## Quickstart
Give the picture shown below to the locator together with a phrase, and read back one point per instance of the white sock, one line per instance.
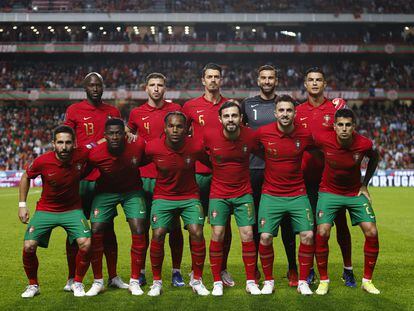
(348, 268)
(176, 270)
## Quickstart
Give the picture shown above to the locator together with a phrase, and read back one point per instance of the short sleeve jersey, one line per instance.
(118, 174)
(230, 161)
(88, 121)
(148, 122)
(319, 120)
(342, 172)
(60, 181)
(202, 114)
(283, 157)
(256, 113)
(175, 169)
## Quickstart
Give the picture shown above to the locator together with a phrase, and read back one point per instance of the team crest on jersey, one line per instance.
(134, 161)
(31, 229)
(79, 166)
(356, 156)
(320, 214)
(214, 214)
(188, 161)
(297, 144)
(262, 222)
(245, 148)
(154, 218)
(326, 118)
(95, 212)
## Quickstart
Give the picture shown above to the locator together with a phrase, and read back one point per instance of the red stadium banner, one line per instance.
(205, 48)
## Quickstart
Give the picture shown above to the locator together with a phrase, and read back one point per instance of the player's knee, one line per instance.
(306, 237)
(324, 232)
(246, 235)
(196, 233)
(30, 246)
(266, 239)
(84, 244)
(371, 232)
(217, 234)
(159, 234)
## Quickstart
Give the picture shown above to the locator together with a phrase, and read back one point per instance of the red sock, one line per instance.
(157, 257)
(226, 245)
(97, 254)
(111, 252)
(267, 257)
(83, 258)
(249, 259)
(321, 254)
(216, 258)
(176, 242)
(371, 250)
(343, 237)
(138, 248)
(306, 253)
(198, 256)
(71, 252)
(31, 264)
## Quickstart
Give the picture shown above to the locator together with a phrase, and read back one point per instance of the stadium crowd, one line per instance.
(26, 132)
(284, 6)
(204, 34)
(184, 74)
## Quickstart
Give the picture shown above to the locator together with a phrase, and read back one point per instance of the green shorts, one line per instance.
(242, 207)
(330, 204)
(42, 224)
(272, 209)
(104, 206)
(163, 212)
(204, 182)
(87, 192)
(148, 185)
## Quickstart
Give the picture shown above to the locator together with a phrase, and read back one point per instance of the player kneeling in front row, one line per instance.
(119, 183)
(59, 205)
(283, 192)
(176, 193)
(229, 147)
(341, 188)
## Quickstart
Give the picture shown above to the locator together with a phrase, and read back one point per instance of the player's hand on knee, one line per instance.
(24, 214)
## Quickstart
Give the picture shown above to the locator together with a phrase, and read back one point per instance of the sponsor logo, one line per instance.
(144, 118)
(86, 118)
(199, 111)
(303, 118)
(154, 218)
(262, 222)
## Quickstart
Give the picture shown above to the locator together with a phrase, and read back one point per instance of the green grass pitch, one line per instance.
(394, 274)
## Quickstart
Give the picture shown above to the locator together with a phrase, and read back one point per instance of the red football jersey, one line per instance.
(88, 121)
(342, 173)
(230, 161)
(118, 174)
(319, 120)
(200, 113)
(283, 157)
(60, 181)
(175, 169)
(148, 122)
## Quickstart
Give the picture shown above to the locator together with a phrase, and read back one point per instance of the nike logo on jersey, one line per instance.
(198, 111)
(254, 105)
(86, 118)
(86, 231)
(270, 143)
(329, 153)
(144, 118)
(200, 218)
(51, 174)
(303, 118)
(142, 212)
(215, 148)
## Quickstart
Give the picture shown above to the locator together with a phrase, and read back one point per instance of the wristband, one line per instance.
(22, 204)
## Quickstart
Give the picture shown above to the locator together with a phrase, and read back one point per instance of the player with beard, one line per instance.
(259, 111)
(88, 119)
(176, 193)
(119, 183)
(202, 114)
(317, 114)
(59, 205)
(341, 189)
(147, 121)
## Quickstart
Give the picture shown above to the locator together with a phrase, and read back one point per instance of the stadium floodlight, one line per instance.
(288, 33)
(101, 28)
(135, 27)
(14, 27)
(1, 29)
(237, 27)
(32, 27)
(406, 28)
(49, 27)
(118, 28)
(254, 30)
(68, 30)
(66, 27)
(104, 33)
(83, 27)
(35, 8)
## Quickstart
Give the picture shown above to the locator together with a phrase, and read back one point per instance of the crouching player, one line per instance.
(119, 183)
(176, 193)
(229, 147)
(284, 192)
(341, 188)
(59, 205)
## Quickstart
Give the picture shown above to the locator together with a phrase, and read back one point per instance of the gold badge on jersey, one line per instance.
(356, 156)
(297, 144)
(326, 118)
